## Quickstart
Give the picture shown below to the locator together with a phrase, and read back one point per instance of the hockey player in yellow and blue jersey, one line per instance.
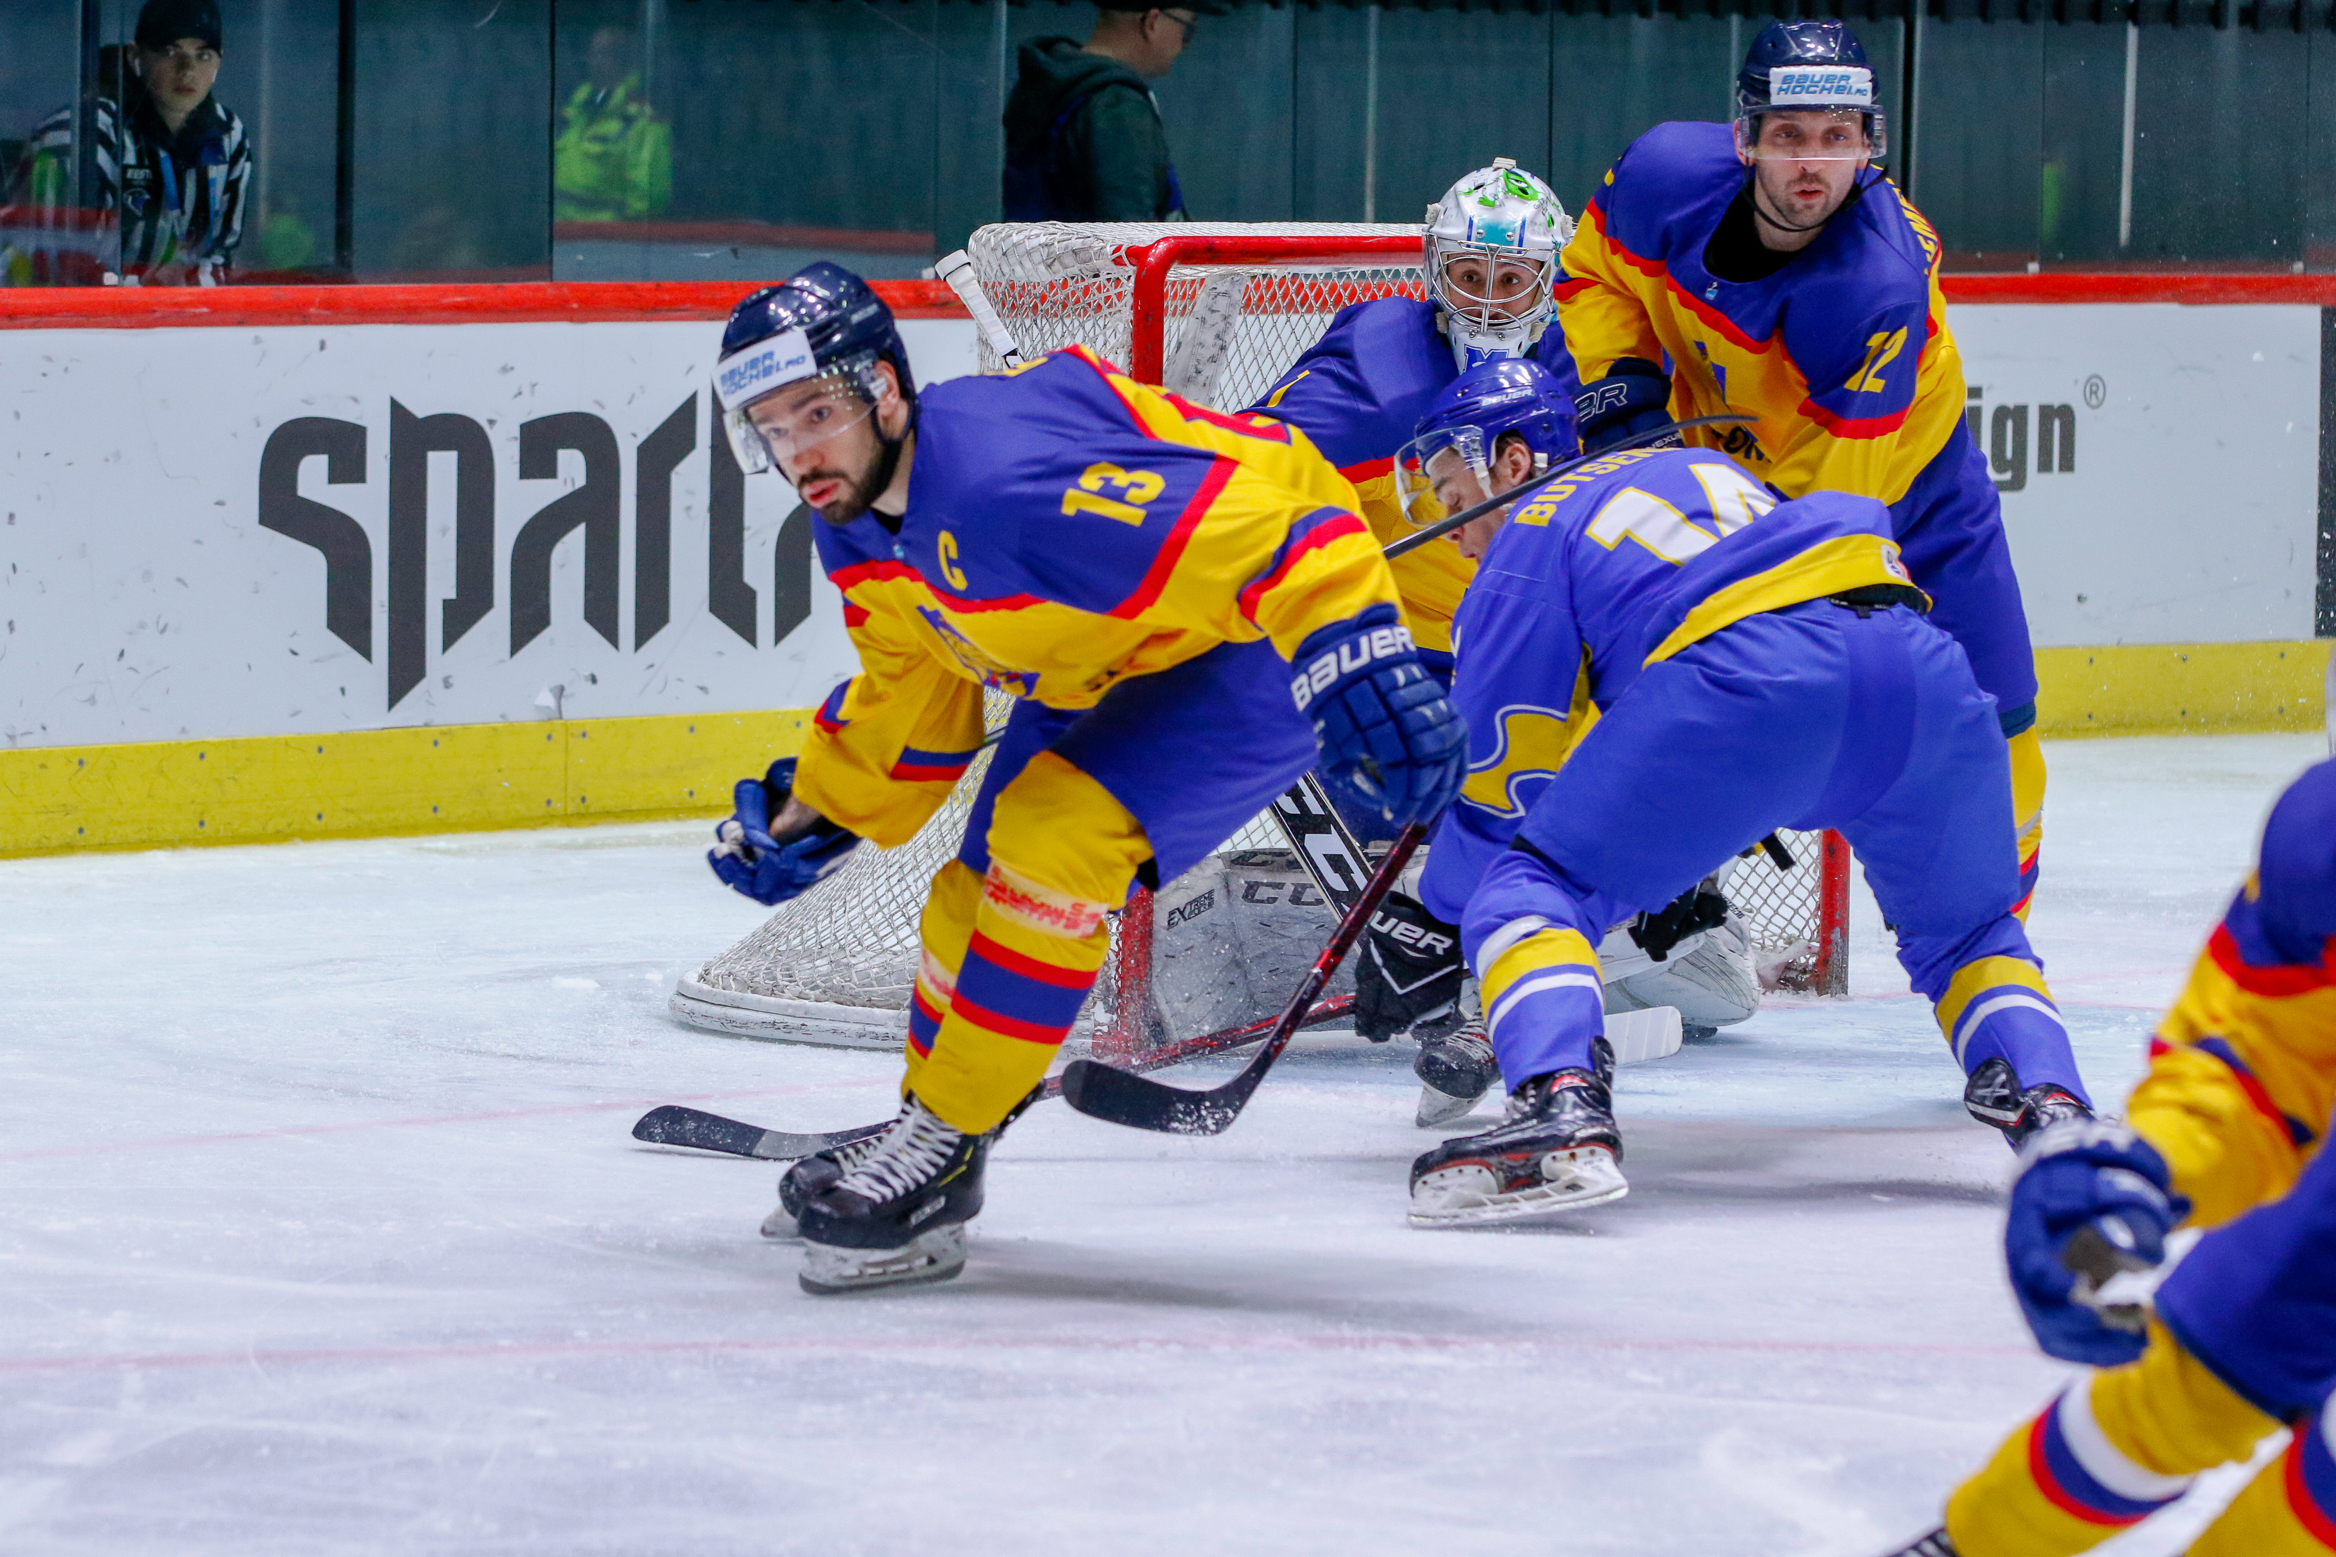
(1659, 662)
(1774, 271)
(2225, 1133)
(1141, 574)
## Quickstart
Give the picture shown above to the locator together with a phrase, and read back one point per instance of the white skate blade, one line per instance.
(779, 1226)
(934, 1256)
(1463, 1194)
(1437, 1108)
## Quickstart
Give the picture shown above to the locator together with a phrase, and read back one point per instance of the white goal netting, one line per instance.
(836, 965)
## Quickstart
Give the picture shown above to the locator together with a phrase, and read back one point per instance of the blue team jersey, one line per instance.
(1621, 564)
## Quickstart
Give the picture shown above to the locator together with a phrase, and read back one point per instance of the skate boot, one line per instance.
(898, 1215)
(814, 1175)
(1557, 1150)
(1993, 1096)
(1935, 1544)
(1455, 1069)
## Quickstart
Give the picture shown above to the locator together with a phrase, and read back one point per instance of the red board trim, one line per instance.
(504, 302)
(590, 302)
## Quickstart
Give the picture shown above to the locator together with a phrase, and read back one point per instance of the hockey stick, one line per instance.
(1123, 1097)
(1420, 538)
(957, 270)
(675, 1125)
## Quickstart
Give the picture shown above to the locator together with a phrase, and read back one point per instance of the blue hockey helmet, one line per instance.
(821, 322)
(1810, 65)
(1447, 466)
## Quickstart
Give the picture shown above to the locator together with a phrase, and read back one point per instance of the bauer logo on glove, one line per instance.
(1390, 740)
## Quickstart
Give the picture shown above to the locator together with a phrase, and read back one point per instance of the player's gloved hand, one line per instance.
(750, 860)
(1692, 911)
(1409, 971)
(1634, 396)
(1391, 741)
(2092, 1199)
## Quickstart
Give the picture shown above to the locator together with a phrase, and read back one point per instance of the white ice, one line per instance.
(321, 1232)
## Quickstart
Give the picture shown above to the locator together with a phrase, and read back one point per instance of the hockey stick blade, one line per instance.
(1123, 1097)
(1419, 538)
(675, 1125)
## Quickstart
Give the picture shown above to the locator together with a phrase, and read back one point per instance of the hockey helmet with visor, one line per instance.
(1447, 466)
(798, 366)
(1815, 71)
(1491, 257)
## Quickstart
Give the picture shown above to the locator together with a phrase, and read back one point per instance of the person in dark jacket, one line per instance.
(1084, 141)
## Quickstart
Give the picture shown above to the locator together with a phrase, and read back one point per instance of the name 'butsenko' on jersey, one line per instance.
(1358, 394)
(1612, 568)
(1067, 528)
(1842, 357)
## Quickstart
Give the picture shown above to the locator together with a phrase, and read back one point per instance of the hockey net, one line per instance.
(1216, 311)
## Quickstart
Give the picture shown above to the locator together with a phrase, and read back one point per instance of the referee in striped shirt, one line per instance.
(171, 162)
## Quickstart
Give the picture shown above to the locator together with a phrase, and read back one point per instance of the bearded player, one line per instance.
(1752, 664)
(1141, 575)
(2225, 1133)
(1771, 269)
(1490, 259)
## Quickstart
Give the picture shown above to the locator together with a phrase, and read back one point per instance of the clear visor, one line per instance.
(1441, 474)
(1492, 286)
(1811, 135)
(766, 433)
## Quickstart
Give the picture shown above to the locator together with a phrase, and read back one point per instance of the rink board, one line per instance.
(272, 566)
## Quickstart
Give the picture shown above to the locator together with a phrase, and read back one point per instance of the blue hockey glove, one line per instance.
(1391, 742)
(1634, 396)
(750, 860)
(2092, 1199)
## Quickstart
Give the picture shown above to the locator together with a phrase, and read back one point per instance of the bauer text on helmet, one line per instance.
(814, 383)
(1806, 93)
(1492, 245)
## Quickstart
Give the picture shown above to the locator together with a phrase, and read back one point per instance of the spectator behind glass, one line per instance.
(1084, 141)
(171, 166)
(613, 161)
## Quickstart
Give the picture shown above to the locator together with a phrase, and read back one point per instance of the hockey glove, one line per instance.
(2092, 1199)
(1409, 971)
(1690, 913)
(750, 860)
(1635, 395)
(1391, 742)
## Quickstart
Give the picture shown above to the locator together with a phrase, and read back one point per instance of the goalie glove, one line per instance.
(1410, 969)
(1635, 395)
(1693, 911)
(2092, 1199)
(750, 860)
(1391, 742)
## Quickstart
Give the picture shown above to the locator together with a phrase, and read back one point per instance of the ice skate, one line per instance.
(814, 1175)
(1455, 1070)
(898, 1215)
(1995, 1097)
(1557, 1150)
(1935, 1544)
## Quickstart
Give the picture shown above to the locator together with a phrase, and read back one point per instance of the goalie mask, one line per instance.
(1491, 257)
(817, 337)
(1809, 69)
(1447, 466)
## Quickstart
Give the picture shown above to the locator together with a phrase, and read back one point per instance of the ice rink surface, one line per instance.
(321, 1232)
